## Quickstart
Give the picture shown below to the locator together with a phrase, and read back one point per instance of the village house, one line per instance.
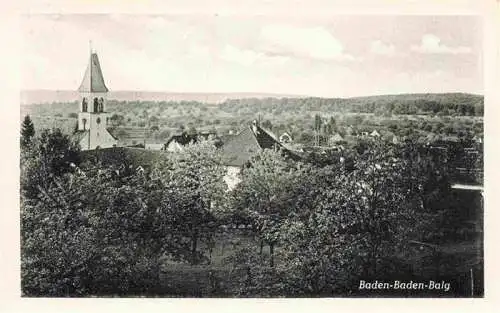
(395, 139)
(239, 151)
(154, 146)
(349, 131)
(129, 136)
(335, 139)
(478, 139)
(375, 134)
(178, 142)
(285, 138)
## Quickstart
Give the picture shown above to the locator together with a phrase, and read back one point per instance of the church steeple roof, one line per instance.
(93, 81)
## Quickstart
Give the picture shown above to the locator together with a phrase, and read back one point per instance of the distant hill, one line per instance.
(422, 103)
(49, 96)
(456, 96)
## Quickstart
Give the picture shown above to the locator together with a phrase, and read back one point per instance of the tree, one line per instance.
(51, 155)
(347, 225)
(27, 132)
(306, 138)
(479, 109)
(117, 119)
(193, 182)
(192, 131)
(81, 240)
(318, 122)
(164, 134)
(153, 120)
(263, 196)
(267, 124)
(332, 122)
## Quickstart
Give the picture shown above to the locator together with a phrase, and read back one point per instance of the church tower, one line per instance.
(92, 115)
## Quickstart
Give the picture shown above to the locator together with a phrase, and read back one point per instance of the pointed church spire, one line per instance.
(93, 80)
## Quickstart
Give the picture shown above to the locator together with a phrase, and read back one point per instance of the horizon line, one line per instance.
(288, 95)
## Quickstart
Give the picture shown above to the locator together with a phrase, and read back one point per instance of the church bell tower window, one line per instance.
(84, 105)
(96, 105)
(101, 104)
(84, 122)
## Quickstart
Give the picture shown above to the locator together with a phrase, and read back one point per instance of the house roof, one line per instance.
(336, 137)
(242, 147)
(185, 139)
(450, 138)
(285, 134)
(182, 139)
(93, 80)
(127, 132)
(239, 149)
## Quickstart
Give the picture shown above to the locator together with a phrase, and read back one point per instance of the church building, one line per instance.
(92, 130)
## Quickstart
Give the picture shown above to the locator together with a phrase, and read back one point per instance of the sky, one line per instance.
(326, 56)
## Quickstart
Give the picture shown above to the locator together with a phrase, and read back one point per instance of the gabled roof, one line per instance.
(336, 137)
(93, 80)
(127, 132)
(242, 147)
(185, 139)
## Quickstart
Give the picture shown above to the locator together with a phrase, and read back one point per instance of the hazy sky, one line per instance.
(333, 56)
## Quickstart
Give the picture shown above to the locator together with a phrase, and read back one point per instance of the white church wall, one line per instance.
(101, 138)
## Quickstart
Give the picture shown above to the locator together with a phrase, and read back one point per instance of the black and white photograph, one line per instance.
(251, 155)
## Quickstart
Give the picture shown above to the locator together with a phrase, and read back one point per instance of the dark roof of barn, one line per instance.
(185, 139)
(93, 80)
(128, 132)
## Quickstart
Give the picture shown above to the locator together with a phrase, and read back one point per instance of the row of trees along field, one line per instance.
(94, 229)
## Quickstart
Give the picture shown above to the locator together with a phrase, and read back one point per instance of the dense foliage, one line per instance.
(105, 230)
(27, 131)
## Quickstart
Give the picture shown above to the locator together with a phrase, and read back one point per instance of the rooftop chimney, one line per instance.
(255, 125)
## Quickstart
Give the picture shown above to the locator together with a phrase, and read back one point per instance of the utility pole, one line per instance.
(471, 283)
